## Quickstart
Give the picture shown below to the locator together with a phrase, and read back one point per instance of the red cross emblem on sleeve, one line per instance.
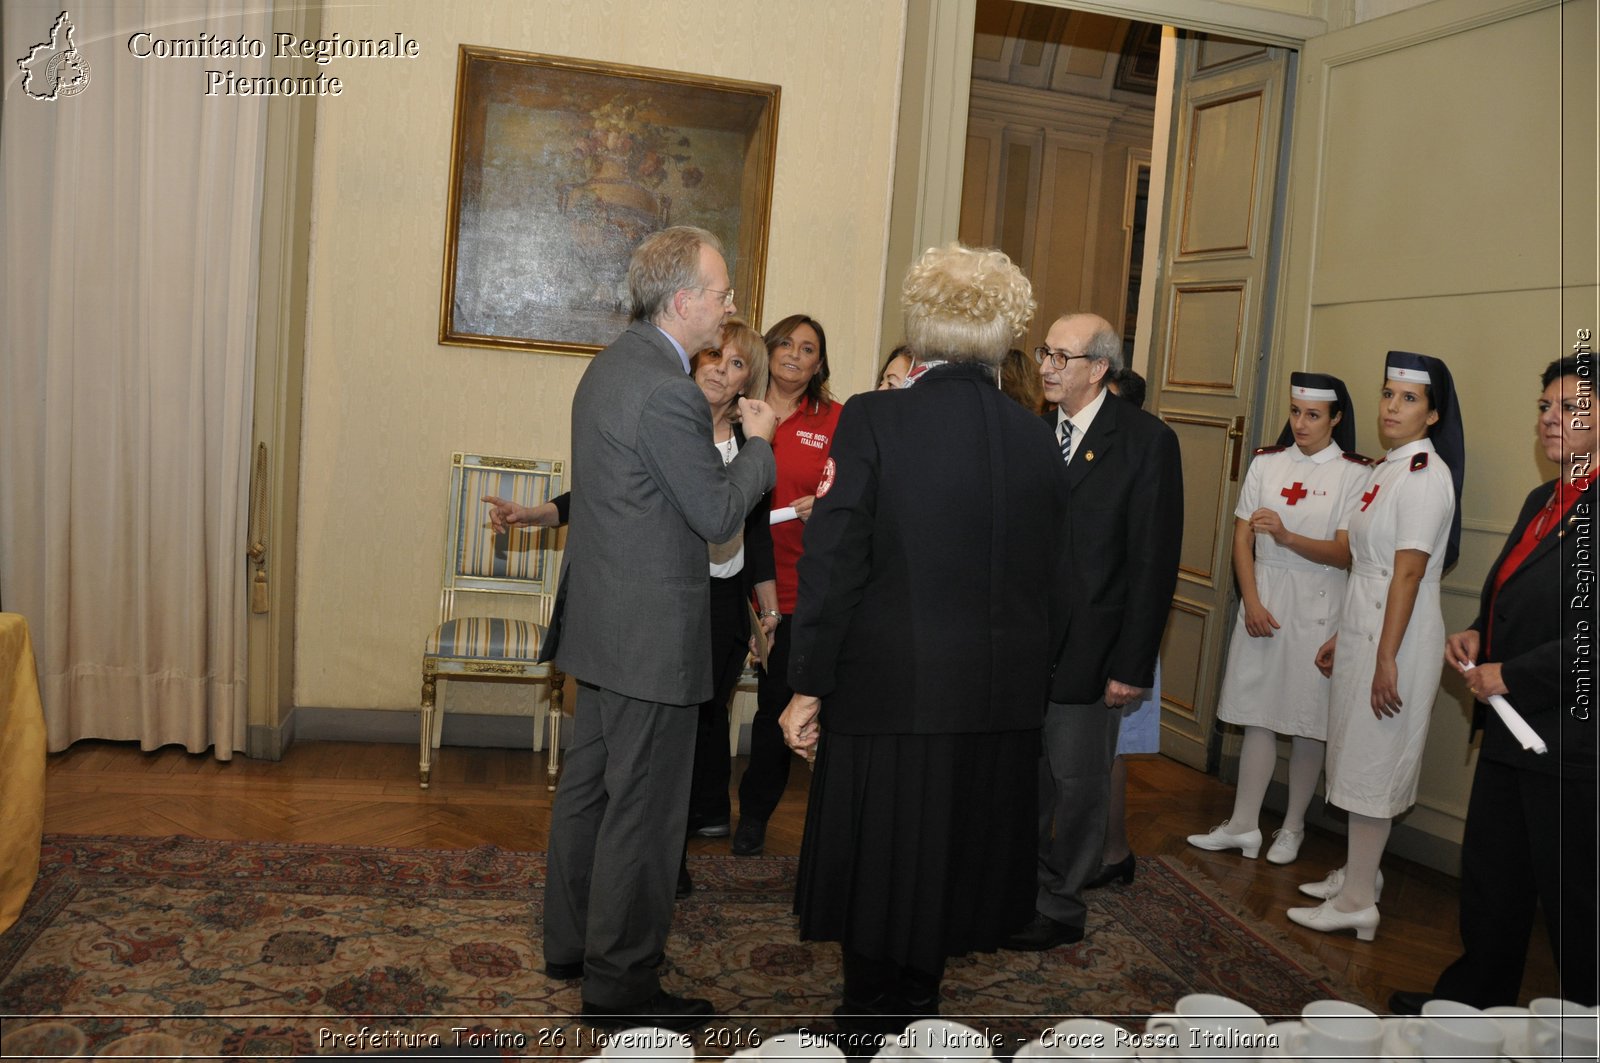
(1295, 493)
(1366, 499)
(826, 483)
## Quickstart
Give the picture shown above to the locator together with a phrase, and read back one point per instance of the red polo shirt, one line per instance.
(800, 448)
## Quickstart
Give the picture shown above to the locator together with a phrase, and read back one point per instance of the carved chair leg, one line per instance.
(558, 683)
(424, 764)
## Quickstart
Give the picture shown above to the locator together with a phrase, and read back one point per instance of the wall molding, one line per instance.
(1011, 105)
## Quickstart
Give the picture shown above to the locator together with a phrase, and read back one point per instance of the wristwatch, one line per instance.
(770, 612)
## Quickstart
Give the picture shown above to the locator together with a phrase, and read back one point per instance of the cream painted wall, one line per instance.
(386, 405)
(1442, 201)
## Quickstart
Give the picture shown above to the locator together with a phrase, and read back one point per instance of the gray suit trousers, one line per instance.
(616, 835)
(1080, 742)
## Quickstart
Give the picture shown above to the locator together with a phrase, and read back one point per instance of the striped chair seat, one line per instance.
(487, 638)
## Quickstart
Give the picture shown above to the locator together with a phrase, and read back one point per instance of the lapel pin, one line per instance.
(1088, 455)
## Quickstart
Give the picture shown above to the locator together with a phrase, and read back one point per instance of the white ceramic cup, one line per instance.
(1514, 1024)
(42, 1041)
(1207, 1026)
(1560, 1029)
(145, 1048)
(648, 1042)
(1449, 1031)
(787, 1046)
(1081, 1039)
(1335, 1030)
(945, 1039)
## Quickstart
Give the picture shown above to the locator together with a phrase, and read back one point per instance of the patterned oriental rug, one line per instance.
(278, 951)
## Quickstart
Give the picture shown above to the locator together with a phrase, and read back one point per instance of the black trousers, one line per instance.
(1529, 842)
(730, 644)
(768, 772)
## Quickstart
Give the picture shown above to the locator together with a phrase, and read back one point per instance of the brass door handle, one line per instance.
(1236, 433)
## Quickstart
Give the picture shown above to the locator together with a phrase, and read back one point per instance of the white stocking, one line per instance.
(1257, 758)
(1368, 836)
(1305, 764)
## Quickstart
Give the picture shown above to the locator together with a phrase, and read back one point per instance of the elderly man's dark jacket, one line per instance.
(1124, 531)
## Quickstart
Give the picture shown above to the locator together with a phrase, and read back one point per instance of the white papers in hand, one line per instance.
(780, 515)
(1525, 735)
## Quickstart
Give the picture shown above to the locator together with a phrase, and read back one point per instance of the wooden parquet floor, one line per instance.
(367, 794)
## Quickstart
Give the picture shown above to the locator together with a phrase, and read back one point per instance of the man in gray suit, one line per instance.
(649, 490)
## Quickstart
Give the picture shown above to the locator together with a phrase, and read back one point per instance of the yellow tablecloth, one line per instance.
(21, 767)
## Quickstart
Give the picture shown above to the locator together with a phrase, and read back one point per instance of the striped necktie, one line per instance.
(1066, 440)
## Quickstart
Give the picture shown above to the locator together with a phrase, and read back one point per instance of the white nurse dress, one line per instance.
(1374, 763)
(1274, 682)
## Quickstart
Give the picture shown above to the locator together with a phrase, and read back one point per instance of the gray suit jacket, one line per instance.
(649, 490)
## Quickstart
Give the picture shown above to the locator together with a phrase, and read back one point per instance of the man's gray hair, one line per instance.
(663, 264)
(1106, 346)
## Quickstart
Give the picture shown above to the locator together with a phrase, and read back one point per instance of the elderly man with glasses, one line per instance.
(1124, 528)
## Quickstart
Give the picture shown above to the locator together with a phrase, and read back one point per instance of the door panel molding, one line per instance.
(1176, 363)
(1206, 442)
(1229, 192)
(1206, 343)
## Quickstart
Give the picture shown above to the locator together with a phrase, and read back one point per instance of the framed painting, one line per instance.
(559, 167)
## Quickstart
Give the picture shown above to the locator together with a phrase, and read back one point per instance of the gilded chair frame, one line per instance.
(518, 563)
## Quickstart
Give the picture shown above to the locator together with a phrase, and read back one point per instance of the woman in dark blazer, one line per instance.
(922, 643)
(1530, 833)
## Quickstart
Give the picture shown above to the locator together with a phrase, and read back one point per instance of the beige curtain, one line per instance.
(130, 223)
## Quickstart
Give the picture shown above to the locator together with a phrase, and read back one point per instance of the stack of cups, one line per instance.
(939, 1039)
(1560, 1029)
(1333, 1030)
(1206, 1026)
(1448, 1031)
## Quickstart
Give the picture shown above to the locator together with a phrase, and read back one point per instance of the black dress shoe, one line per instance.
(1404, 1002)
(719, 829)
(750, 838)
(685, 883)
(1109, 873)
(1042, 933)
(564, 971)
(664, 1010)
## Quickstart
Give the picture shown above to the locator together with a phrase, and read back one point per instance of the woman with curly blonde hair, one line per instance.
(921, 650)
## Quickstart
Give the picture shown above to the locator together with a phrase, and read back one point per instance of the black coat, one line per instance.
(1539, 644)
(930, 591)
(1124, 531)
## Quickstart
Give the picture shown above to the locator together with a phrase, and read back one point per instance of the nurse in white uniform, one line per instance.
(1290, 552)
(1386, 658)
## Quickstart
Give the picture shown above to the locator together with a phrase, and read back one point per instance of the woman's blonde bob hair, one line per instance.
(748, 342)
(965, 304)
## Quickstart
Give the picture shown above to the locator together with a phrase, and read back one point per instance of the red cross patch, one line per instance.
(827, 479)
(1366, 499)
(1295, 493)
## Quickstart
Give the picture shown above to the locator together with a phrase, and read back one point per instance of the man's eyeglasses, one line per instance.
(727, 296)
(1059, 359)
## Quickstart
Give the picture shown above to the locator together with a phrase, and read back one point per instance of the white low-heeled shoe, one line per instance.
(1285, 845)
(1326, 918)
(1329, 887)
(1218, 839)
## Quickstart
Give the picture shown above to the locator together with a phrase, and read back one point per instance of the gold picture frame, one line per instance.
(559, 167)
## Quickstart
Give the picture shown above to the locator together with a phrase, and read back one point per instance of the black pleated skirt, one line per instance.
(919, 847)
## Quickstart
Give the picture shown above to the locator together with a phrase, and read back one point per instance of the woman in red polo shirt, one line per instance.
(797, 389)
